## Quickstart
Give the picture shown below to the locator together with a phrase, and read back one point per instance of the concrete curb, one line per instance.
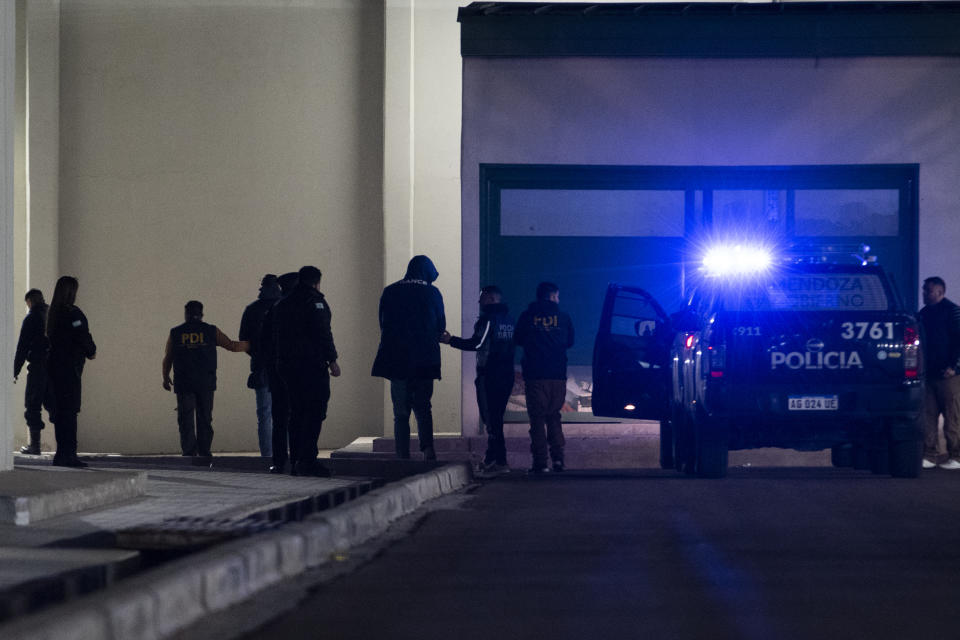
(109, 487)
(160, 602)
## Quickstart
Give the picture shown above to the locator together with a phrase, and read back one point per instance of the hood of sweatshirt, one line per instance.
(421, 268)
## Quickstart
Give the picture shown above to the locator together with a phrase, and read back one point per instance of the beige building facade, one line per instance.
(174, 150)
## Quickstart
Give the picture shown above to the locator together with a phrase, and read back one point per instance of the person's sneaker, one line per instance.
(952, 464)
(500, 468)
(429, 454)
(928, 464)
(558, 467)
(537, 470)
(30, 450)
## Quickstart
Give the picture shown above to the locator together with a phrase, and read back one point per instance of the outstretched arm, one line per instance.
(481, 333)
(231, 345)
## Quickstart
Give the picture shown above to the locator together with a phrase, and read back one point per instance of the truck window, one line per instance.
(633, 315)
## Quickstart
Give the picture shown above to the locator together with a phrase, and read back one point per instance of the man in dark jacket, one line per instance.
(250, 325)
(283, 446)
(941, 353)
(192, 353)
(307, 358)
(411, 323)
(492, 339)
(545, 333)
(32, 348)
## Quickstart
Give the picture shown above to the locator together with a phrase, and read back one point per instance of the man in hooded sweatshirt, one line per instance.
(411, 324)
(545, 333)
(251, 324)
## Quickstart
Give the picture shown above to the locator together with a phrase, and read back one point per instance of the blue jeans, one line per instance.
(264, 421)
(407, 395)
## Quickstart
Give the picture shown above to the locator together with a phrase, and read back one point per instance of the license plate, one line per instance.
(813, 403)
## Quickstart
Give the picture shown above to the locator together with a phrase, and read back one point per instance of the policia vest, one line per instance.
(194, 346)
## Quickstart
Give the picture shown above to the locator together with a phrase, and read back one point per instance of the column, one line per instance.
(7, 144)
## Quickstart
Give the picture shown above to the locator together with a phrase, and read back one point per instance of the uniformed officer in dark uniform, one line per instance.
(493, 341)
(307, 358)
(192, 353)
(71, 345)
(32, 348)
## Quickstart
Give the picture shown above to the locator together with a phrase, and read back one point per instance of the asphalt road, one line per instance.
(764, 553)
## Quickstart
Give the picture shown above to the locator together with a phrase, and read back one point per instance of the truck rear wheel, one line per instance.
(879, 459)
(712, 449)
(841, 455)
(666, 444)
(683, 451)
(861, 458)
(906, 458)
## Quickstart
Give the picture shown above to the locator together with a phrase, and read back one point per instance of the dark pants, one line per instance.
(493, 392)
(37, 395)
(65, 429)
(283, 445)
(64, 377)
(195, 419)
(544, 400)
(407, 395)
(308, 391)
(942, 396)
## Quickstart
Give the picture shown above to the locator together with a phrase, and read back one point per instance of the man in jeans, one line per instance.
(411, 324)
(941, 352)
(251, 325)
(545, 333)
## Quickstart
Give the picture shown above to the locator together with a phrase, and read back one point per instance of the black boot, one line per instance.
(32, 449)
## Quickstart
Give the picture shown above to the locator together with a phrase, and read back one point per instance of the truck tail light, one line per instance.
(911, 353)
(717, 359)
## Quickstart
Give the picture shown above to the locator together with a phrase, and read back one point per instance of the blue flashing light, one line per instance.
(737, 260)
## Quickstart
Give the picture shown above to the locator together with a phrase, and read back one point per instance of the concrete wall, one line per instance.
(422, 171)
(203, 144)
(720, 112)
(7, 141)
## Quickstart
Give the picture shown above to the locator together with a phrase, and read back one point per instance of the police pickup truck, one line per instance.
(801, 355)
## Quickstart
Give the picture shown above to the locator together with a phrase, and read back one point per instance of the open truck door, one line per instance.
(631, 373)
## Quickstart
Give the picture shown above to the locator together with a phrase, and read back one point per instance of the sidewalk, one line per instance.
(84, 530)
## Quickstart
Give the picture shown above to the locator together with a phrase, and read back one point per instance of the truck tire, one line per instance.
(684, 459)
(712, 449)
(666, 444)
(841, 455)
(879, 459)
(861, 458)
(906, 458)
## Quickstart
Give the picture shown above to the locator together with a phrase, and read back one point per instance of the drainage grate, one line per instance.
(192, 532)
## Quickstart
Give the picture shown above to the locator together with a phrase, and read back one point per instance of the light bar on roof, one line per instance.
(737, 260)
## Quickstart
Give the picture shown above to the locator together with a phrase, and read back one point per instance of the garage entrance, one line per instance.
(586, 226)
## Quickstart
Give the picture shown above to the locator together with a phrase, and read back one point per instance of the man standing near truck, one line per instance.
(940, 318)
